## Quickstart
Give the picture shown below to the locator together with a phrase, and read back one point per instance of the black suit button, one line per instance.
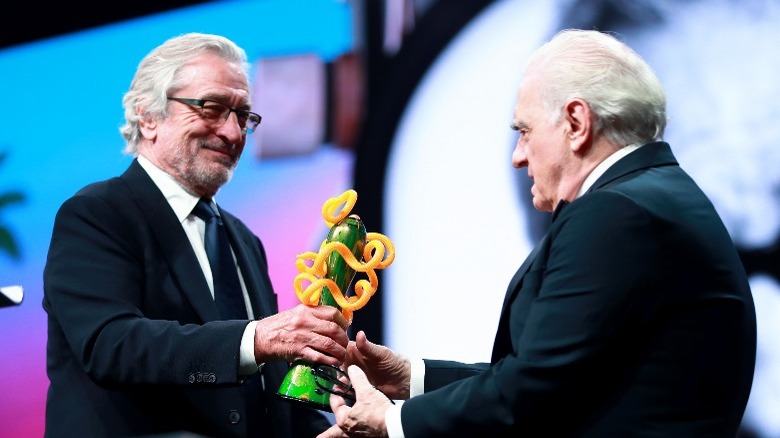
(234, 417)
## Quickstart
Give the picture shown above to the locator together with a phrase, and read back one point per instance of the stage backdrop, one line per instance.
(432, 166)
(61, 131)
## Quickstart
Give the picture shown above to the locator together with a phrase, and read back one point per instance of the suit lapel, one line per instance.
(175, 245)
(514, 284)
(503, 341)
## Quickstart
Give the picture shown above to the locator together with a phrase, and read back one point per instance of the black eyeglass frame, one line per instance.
(248, 115)
(328, 377)
(335, 377)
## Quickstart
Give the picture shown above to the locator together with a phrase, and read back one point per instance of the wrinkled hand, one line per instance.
(316, 334)
(386, 369)
(366, 418)
(333, 432)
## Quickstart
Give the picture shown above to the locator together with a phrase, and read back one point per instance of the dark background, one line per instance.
(391, 82)
(33, 21)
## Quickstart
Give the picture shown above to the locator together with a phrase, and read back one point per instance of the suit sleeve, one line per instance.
(585, 292)
(439, 373)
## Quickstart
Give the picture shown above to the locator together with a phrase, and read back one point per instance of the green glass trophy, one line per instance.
(347, 250)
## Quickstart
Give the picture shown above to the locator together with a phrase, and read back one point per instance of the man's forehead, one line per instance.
(523, 105)
(208, 83)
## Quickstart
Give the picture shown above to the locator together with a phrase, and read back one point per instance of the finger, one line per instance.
(333, 344)
(326, 317)
(333, 340)
(358, 379)
(334, 331)
(340, 409)
(363, 388)
(336, 401)
(340, 320)
(330, 313)
(322, 357)
(332, 432)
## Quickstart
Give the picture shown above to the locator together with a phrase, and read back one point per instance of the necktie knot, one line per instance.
(205, 210)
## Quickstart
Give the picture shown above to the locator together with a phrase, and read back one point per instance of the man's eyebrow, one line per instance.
(223, 98)
(517, 126)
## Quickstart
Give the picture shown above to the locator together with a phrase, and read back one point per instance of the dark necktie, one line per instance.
(227, 289)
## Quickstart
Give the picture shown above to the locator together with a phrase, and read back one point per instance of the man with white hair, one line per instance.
(632, 316)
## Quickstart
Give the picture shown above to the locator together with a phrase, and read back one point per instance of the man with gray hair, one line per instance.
(151, 330)
(631, 317)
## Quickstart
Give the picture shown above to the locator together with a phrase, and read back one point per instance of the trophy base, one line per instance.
(308, 384)
(307, 403)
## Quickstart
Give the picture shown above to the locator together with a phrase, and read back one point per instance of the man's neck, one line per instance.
(601, 167)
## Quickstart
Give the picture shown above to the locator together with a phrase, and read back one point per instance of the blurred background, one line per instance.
(409, 103)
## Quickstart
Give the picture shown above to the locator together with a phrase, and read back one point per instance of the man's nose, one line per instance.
(231, 128)
(519, 158)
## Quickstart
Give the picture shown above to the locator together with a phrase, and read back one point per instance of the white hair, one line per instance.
(623, 92)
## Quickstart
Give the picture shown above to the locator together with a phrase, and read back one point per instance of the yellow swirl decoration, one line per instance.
(378, 253)
(329, 212)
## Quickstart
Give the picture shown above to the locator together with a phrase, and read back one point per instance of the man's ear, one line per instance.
(579, 122)
(147, 124)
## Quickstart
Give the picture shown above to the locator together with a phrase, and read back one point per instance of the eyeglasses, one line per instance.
(333, 380)
(217, 113)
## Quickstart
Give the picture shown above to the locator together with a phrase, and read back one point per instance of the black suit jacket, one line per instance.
(633, 317)
(135, 344)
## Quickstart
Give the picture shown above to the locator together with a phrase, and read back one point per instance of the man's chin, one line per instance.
(545, 207)
(211, 178)
(222, 177)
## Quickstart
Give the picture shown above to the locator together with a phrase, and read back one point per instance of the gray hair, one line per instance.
(626, 97)
(158, 75)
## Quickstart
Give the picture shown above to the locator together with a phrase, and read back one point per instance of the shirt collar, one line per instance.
(181, 201)
(604, 165)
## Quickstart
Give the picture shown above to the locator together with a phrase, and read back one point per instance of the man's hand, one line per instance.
(366, 418)
(316, 334)
(386, 369)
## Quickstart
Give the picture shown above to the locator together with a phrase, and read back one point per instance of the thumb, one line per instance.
(361, 339)
(366, 347)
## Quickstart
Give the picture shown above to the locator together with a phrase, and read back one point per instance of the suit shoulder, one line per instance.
(104, 188)
(604, 203)
(107, 197)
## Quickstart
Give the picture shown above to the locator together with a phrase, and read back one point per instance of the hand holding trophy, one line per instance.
(348, 249)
